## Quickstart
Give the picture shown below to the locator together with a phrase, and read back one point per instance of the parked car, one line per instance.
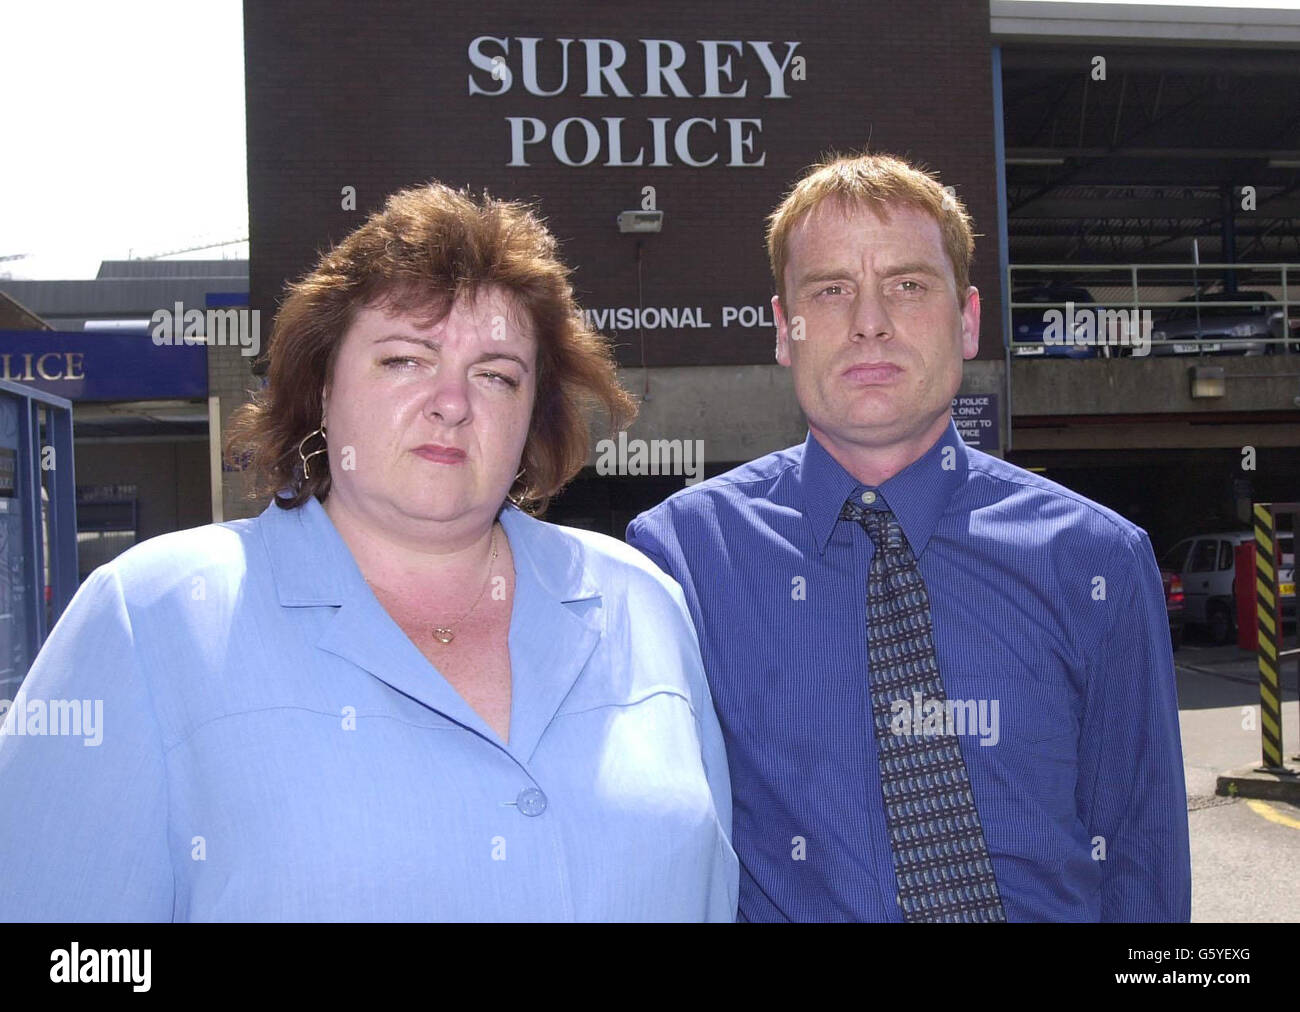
(1207, 563)
(1174, 601)
(1030, 324)
(1221, 330)
(1290, 322)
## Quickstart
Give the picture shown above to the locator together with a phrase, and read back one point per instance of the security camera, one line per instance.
(641, 221)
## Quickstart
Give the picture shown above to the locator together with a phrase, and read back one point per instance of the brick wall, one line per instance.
(339, 96)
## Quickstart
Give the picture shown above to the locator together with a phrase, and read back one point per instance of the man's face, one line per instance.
(874, 331)
(436, 417)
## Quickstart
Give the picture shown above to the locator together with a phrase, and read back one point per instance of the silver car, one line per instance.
(1221, 330)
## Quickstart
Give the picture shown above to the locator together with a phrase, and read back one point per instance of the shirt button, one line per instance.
(868, 497)
(531, 801)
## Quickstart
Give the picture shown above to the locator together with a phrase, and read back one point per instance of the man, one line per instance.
(945, 683)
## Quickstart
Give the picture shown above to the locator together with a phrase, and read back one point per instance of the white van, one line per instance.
(1206, 564)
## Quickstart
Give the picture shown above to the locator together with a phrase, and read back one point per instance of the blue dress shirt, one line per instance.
(1043, 602)
(274, 747)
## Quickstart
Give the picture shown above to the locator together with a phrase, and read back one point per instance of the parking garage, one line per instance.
(1154, 170)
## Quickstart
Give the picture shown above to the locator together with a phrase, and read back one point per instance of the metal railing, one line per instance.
(1145, 290)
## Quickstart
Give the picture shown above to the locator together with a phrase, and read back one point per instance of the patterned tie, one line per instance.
(940, 857)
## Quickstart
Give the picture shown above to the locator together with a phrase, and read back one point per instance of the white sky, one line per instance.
(125, 129)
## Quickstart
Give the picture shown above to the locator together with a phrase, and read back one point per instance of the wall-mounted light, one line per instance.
(1207, 381)
(641, 221)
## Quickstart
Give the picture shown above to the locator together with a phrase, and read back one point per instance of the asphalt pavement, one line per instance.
(1245, 853)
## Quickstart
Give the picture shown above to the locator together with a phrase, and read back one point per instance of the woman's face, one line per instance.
(428, 422)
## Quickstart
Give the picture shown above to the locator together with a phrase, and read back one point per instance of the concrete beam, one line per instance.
(741, 412)
(1156, 435)
(1061, 387)
(1011, 20)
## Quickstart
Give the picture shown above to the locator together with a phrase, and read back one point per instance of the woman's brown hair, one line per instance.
(428, 247)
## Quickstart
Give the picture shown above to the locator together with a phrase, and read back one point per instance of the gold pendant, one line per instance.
(443, 635)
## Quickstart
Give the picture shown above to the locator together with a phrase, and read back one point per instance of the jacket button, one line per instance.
(531, 801)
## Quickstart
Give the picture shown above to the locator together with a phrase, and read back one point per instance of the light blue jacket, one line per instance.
(273, 747)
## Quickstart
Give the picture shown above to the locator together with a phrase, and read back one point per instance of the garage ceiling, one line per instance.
(1132, 167)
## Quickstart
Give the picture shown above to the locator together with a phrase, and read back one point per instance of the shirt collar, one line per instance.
(551, 638)
(310, 561)
(918, 494)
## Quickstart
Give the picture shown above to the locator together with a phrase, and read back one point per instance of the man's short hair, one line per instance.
(878, 182)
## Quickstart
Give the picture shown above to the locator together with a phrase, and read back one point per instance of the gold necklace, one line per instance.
(443, 634)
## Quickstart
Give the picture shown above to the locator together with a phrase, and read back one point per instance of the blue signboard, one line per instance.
(93, 366)
(976, 416)
(214, 300)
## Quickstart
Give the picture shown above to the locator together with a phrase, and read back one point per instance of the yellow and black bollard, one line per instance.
(1270, 690)
(1268, 606)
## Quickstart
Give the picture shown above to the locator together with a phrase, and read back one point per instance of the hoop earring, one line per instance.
(304, 457)
(512, 499)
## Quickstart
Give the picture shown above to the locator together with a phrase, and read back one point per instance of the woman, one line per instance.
(394, 695)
